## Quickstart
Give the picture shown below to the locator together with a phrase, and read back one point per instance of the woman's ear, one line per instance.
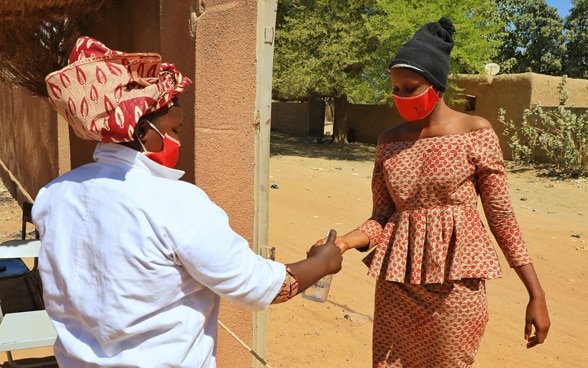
(141, 129)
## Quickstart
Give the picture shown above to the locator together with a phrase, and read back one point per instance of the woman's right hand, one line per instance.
(340, 242)
(328, 253)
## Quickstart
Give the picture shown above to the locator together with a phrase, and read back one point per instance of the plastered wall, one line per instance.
(516, 92)
(512, 92)
(224, 155)
(214, 44)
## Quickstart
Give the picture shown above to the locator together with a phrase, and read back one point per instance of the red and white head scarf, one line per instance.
(103, 93)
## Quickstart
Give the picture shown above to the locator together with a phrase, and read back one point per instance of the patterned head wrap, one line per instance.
(103, 93)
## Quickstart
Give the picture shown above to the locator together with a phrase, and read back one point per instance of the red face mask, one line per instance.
(417, 107)
(170, 153)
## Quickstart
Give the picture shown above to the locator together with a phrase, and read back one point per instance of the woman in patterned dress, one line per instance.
(430, 252)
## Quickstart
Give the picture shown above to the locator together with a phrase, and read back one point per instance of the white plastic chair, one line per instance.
(26, 329)
(13, 266)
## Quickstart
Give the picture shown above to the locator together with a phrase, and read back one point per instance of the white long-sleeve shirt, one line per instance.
(134, 262)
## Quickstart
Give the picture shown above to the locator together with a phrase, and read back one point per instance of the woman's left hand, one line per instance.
(537, 316)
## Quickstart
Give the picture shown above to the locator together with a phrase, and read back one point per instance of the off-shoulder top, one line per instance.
(425, 226)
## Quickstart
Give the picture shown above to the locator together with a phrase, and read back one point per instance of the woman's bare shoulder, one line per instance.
(475, 122)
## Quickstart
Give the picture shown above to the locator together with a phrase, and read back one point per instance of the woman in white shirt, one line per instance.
(134, 261)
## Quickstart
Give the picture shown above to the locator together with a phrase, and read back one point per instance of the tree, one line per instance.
(533, 37)
(322, 48)
(475, 22)
(340, 49)
(576, 28)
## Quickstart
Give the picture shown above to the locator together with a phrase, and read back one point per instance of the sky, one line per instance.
(563, 6)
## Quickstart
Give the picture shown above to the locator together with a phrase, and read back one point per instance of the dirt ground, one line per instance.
(323, 186)
(316, 187)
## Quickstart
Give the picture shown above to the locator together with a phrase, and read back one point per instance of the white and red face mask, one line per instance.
(417, 107)
(170, 153)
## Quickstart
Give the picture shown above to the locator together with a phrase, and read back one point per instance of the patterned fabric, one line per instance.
(425, 226)
(103, 93)
(437, 325)
(289, 288)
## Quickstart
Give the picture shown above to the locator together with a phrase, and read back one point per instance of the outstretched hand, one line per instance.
(338, 241)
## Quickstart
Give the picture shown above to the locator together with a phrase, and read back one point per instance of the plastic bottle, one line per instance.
(319, 292)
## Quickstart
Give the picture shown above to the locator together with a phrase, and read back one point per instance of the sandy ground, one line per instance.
(323, 186)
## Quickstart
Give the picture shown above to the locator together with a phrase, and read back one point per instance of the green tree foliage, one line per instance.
(533, 37)
(341, 48)
(322, 49)
(576, 28)
(475, 22)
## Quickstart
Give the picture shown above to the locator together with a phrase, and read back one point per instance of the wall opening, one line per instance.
(470, 105)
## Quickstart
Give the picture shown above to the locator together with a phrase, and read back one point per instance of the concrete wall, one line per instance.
(365, 122)
(299, 119)
(510, 92)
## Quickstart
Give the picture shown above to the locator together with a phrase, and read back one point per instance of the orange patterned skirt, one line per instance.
(433, 325)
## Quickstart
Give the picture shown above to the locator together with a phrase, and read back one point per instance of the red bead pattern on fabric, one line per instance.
(102, 93)
(425, 226)
(289, 288)
(436, 325)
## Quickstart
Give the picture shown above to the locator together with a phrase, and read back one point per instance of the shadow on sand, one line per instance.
(285, 145)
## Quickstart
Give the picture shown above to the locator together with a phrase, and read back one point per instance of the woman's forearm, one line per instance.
(352, 240)
(529, 278)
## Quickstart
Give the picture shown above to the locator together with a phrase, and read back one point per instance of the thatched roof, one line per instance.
(19, 8)
(36, 37)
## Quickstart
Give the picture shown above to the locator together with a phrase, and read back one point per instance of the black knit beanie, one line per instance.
(428, 51)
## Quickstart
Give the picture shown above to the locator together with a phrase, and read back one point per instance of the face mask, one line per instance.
(418, 107)
(170, 153)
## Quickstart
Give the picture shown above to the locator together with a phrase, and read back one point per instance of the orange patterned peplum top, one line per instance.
(425, 226)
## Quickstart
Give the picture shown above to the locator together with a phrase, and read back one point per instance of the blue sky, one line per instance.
(563, 6)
